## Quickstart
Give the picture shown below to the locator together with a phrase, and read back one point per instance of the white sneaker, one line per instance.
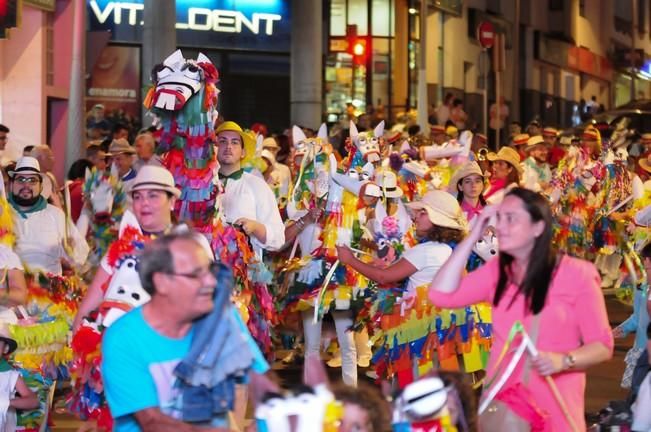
(334, 362)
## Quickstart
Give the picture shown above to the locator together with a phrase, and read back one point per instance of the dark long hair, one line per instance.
(542, 260)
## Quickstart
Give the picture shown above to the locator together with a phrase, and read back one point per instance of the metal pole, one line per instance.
(484, 81)
(633, 33)
(423, 104)
(515, 97)
(76, 126)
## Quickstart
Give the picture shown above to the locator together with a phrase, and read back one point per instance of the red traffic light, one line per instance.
(359, 48)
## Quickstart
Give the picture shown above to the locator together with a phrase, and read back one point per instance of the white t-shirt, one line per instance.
(9, 259)
(427, 258)
(641, 413)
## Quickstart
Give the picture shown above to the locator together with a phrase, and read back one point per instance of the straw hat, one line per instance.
(120, 146)
(520, 139)
(645, 163)
(645, 138)
(248, 141)
(506, 154)
(437, 129)
(156, 178)
(390, 187)
(270, 142)
(469, 168)
(442, 209)
(534, 141)
(26, 165)
(10, 344)
(590, 134)
(550, 132)
(452, 131)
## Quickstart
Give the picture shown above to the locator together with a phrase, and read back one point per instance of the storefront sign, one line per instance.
(48, 5)
(568, 56)
(230, 24)
(115, 82)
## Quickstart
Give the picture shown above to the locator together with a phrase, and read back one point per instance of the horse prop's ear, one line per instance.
(128, 219)
(379, 129)
(297, 135)
(353, 130)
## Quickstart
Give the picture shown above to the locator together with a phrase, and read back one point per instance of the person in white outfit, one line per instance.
(43, 236)
(641, 413)
(247, 201)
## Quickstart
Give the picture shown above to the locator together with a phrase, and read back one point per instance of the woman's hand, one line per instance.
(313, 215)
(345, 255)
(484, 220)
(618, 332)
(548, 363)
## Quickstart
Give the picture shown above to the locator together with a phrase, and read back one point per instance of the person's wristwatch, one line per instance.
(569, 361)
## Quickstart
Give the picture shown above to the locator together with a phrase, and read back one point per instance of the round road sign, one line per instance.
(486, 34)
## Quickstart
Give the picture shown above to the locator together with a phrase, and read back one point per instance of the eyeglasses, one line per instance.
(27, 180)
(198, 273)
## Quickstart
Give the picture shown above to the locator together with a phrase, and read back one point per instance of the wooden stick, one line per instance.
(561, 403)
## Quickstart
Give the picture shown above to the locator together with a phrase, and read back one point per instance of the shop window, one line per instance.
(358, 15)
(337, 17)
(382, 24)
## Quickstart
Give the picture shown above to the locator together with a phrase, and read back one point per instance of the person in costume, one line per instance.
(14, 392)
(143, 351)
(578, 196)
(439, 222)
(43, 236)
(247, 201)
(153, 193)
(506, 172)
(636, 323)
(531, 284)
(468, 185)
(536, 174)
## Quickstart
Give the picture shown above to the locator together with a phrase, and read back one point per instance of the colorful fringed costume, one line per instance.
(184, 98)
(87, 399)
(578, 181)
(105, 202)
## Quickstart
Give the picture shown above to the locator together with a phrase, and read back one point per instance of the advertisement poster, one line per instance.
(114, 82)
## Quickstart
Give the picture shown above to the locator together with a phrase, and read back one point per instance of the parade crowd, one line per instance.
(157, 284)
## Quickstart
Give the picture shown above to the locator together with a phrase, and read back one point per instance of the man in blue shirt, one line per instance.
(142, 349)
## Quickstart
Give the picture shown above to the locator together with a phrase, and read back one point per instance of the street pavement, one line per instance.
(602, 383)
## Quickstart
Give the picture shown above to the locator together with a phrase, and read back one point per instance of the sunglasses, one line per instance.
(27, 180)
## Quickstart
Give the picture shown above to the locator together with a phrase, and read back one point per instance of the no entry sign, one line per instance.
(486, 34)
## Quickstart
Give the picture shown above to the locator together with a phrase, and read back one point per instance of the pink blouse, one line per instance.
(574, 315)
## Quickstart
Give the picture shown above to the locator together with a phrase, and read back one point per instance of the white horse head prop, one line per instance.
(368, 143)
(124, 292)
(486, 247)
(177, 79)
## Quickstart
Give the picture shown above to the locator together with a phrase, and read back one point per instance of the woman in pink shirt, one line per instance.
(526, 279)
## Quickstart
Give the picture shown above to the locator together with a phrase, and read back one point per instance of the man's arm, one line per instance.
(153, 420)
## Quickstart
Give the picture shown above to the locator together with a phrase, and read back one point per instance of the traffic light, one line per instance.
(358, 48)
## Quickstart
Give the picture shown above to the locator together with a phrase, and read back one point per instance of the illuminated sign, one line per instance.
(237, 24)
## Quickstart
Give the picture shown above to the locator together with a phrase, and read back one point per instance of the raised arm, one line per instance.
(448, 278)
(396, 272)
(93, 298)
